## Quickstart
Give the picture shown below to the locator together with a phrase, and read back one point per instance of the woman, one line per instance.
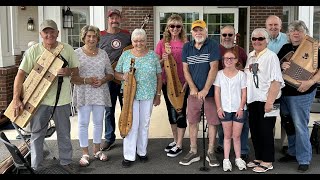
(230, 94)
(264, 81)
(176, 36)
(299, 113)
(148, 79)
(91, 91)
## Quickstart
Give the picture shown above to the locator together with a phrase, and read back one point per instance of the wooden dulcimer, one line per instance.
(129, 91)
(174, 87)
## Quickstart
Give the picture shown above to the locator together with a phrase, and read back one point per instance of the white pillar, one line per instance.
(6, 57)
(306, 15)
(14, 30)
(54, 13)
(98, 17)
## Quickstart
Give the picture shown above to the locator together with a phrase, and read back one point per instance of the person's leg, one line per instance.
(144, 123)
(236, 133)
(63, 128)
(83, 124)
(38, 126)
(220, 138)
(227, 131)
(244, 137)
(254, 111)
(97, 118)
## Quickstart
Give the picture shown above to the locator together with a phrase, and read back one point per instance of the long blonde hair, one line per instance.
(167, 35)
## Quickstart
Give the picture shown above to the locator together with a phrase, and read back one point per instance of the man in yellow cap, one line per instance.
(200, 59)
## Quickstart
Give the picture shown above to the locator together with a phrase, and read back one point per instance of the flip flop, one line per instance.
(261, 169)
(101, 156)
(84, 161)
(253, 163)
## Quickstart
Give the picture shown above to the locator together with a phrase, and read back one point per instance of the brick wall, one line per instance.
(259, 14)
(133, 17)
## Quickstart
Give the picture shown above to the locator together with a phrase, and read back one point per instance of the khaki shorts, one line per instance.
(194, 110)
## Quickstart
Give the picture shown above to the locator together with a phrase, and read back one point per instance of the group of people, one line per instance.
(237, 91)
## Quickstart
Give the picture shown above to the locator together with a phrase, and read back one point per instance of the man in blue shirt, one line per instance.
(200, 59)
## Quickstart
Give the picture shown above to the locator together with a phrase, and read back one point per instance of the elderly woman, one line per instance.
(297, 113)
(148, 78)
(91, 91)
(175, 35)
(264, 81)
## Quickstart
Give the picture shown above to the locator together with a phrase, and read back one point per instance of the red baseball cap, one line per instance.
(114, 11)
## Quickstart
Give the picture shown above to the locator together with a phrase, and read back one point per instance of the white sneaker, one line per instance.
(227, 165)
(241, 164)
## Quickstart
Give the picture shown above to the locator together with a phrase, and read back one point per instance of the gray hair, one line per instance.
(138, 32)
(262, 31)
(228, 27)
(87, 28)
(298, 25)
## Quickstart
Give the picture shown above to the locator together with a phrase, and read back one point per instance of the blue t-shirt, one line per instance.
(276, 44)
(199, 61)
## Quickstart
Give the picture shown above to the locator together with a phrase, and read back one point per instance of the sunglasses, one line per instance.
(225, 35)
(173, 26)
(258, 38)
(229, 58)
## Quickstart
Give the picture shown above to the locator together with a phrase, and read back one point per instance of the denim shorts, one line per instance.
(232, 117)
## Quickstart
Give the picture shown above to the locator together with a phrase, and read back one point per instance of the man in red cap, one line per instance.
(113, 40)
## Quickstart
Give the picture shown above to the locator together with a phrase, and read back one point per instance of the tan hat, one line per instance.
(48, 24)
(114, 11)
(198, 23)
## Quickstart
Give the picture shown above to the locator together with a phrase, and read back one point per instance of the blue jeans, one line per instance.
(244, 136)
(109, 125)
(298, 107)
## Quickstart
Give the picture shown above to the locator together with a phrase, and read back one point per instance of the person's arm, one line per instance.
(17, 91)
(272, 95)
(156, 100)
(217, 99)
(210, 79)
(187, 76)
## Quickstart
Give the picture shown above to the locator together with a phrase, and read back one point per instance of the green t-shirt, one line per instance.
(31, 57)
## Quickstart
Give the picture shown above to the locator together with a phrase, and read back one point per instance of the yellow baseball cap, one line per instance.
(198, 23)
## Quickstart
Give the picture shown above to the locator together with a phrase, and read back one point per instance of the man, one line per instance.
(113, 40)
(227, 42)
(39, 123)
(277, 40)
(200, 59)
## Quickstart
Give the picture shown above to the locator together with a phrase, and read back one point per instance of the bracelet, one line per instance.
(219, 109)
(84, 80)
(159, 94)
(241, 109)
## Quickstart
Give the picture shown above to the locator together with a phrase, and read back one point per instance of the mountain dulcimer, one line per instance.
(129, 91)
(36, 86)
(174, 87)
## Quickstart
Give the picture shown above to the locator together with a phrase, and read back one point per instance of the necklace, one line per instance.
(90, 51)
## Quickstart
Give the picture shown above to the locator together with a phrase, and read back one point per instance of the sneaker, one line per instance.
(107, 146)
(190, 158)
(219, 150)
(212, 159)
(170, 146)
(126, 163)
(227, 166)
(175, 151)
(303, 167)
(288, 158)
(241, 164)
(143, 159)
(245, 157)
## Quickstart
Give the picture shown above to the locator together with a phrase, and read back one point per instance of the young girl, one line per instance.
(230, 97)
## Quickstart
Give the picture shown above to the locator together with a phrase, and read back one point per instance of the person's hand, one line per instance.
(165, 56)
(221, 114)
(268, 107)
(184, 87)
(239, 114)
(304, 85)
(285, 65)
(17, 107)
(194, 92)
(156, 100)
(63, 72)
(96, 82)
(202, 94)
(125, 77)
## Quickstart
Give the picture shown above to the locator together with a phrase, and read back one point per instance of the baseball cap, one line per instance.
(198, 23)
(114, 11)
(48, 24)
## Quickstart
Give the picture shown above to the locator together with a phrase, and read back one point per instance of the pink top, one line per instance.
(176, 50)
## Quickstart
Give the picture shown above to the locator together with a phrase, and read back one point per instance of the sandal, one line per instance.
(101, 156)
(84, 161)
(253, 163)
(260, 168)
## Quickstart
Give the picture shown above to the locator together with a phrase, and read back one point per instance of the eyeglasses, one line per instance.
(258, 38)
(173, 26)
(225, 35)
(139, 41)
(229, 58)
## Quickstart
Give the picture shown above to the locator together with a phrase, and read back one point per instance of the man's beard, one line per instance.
(200, 40)
(227, 45)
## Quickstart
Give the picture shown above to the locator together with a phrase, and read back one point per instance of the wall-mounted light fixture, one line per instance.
(30, 25)
(22, 7)
(67, 18)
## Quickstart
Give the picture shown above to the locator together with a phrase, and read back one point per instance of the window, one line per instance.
(80, 20)
(316, 22)
(216, 21)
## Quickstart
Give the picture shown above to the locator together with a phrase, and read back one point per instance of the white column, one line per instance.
(306, 15)
(54, 13)
(14, 30)
(98, 17)
(6, 57)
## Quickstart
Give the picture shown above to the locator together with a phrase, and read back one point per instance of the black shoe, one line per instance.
(287, 158)
(126, 163)
(303, 167)
(170, 146)
(143, 159)
(284, 150)
(245, 157)
(219, 150)
(106, 146)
